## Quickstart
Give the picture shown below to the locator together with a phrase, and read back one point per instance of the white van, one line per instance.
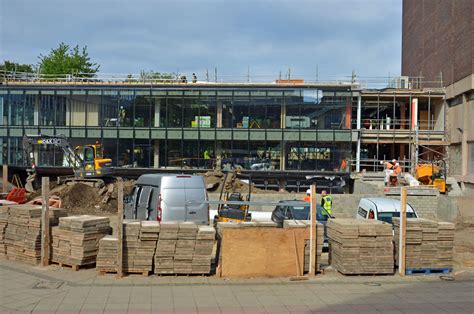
(168, 197)
(383, 209)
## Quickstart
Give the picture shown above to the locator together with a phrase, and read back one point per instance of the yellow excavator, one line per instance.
(234, 212)
(87, 161)
(432, 173)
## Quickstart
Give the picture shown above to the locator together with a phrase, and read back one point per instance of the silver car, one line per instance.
(166, 197)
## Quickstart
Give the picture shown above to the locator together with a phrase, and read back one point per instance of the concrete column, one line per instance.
(282, 155)
(156, 153)
(157, 114)
(36, 112)
(283, 116)
(359, 113)
(219, 115)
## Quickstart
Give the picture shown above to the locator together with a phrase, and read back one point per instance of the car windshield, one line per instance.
(387, 216)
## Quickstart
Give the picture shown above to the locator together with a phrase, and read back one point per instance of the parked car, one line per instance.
(168, 197)
(299, 210)
(381, 208)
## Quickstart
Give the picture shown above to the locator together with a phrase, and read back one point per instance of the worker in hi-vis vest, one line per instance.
(326, 203)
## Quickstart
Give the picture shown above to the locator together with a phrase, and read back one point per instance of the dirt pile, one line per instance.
(81, 198)
(215, 179)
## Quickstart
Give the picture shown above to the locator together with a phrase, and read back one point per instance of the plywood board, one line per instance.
(262, 252)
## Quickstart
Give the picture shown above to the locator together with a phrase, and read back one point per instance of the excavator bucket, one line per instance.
(29, 183)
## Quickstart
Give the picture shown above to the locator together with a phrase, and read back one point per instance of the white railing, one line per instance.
(206, 78)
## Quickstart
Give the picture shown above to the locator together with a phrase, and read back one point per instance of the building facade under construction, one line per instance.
(287, 125)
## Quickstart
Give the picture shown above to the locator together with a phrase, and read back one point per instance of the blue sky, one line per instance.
(331, 37)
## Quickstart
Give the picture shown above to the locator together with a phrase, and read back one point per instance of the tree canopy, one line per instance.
(64, 60)
(11, 66)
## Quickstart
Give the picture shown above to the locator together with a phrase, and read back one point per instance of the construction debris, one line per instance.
(75, 242)
(429, 244)
(361, 246)
(23, 232)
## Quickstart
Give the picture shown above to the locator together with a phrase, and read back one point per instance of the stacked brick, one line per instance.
(429, 244)
(139, 243)
(107, 255)
(183, 256)
(166, 247)
(3, 226)
(75, 242)
(361, 246)
(202, 256)
(319, 240)
(23, 232)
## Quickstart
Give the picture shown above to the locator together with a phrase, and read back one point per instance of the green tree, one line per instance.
(64, 60)
(11, 66)
(152, 75)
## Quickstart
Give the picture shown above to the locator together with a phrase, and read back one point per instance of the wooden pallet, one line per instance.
(427, 271)
(102, 272)
(73, 267)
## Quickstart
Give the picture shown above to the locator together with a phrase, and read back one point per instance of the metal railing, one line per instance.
(388, 124)
(156, 78)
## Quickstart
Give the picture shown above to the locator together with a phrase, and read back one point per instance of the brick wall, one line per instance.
(437, 36)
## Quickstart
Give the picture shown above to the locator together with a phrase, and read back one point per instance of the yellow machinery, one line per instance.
(231, 211)
(433, 173)
(93, 157)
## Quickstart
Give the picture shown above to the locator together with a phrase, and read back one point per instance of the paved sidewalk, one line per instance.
(34, 289)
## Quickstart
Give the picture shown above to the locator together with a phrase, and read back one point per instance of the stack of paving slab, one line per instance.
(319, 240)
(3, 226)
(202, 256)
(361, 246)
(107, 256)
(184, 248)
(139, 244)
(75, 242)
(166, 247)
(429, 244)
(23, 232)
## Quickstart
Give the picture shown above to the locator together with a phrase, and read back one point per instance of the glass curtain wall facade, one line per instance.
(251, 128)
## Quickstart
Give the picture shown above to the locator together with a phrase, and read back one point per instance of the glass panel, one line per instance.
(31, 109)
(257, 115)
(125, 152)
(16, 109)
(208, 112)
(143, 112)
(227, 112)
(174, 154)
(110, 150)
(241, 113)
(3, 98)
(93, 109)
(142, 153)
(110, 116)
(126, 112)
(175, 112)
(77, 109)
(273, 112)
(158, 111)
(191, 112)
(15, 152)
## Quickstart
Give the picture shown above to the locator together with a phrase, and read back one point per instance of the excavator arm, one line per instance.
(60, 141)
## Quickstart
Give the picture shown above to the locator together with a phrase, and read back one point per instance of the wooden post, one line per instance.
(45, 231)
(403, 232)
(120, 228)
(312, 239)
(5, 179)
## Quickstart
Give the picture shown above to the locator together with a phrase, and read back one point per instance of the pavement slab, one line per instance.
(85, 292)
